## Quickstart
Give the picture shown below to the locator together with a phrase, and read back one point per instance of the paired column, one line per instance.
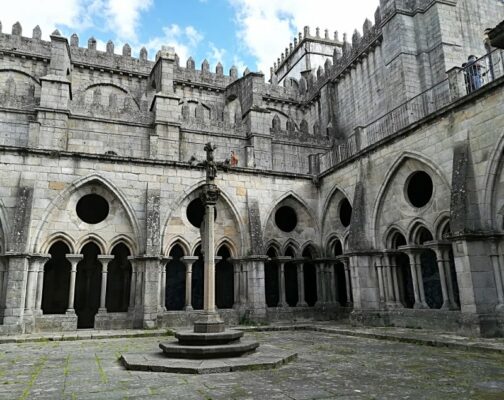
(282, 302)
(74, 260)
(188, 262)
(416, 275)
(442, 264)
(34, 283)
(162, 283)
(104, 260)
(379, 272)
(133, 283)
(394, 294)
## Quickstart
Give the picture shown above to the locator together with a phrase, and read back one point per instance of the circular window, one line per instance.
(345, 212)
(92, 208)
(196, 212)
(419, 188)
(286, 219)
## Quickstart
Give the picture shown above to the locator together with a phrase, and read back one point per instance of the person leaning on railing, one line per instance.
(474, 73)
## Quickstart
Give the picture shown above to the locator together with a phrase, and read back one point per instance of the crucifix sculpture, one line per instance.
(210, 321)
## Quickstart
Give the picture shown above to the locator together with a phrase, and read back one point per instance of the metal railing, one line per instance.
(461, 81)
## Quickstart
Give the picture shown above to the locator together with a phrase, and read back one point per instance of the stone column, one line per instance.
(104, 260)
(301, 288)
(133, 283)
(74, 260)
(188, 261)
(332, 280)
(282, 302)
(449, 282)
(379, 271)
(162, 283)
(320, 283)
(420, 279)
(498, 275)
(348, 282)
(244, 275)
(39, 286)
(395, 279)
(441, 262)
(412, 253)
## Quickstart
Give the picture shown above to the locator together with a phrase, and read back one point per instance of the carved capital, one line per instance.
(210, 194)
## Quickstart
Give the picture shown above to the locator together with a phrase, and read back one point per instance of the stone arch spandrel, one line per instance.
(392, 206)
(331, 223)
(61, 215)
(228, 223)
(307, 228)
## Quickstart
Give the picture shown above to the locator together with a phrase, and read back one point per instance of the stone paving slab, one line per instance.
(267, 357)
(329, 366)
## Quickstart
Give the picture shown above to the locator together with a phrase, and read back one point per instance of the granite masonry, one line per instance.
(368, 185)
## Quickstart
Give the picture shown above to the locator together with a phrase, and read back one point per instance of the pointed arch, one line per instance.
(192, 190)
(492, 173)
(391, 235)
(112, 85)
(389, 176)
(441, 223)
(72, 188)
(91, 238)
(274, 244)
(335, 189)
(277, 203)
(58, 237)
(22, 73)
(290, 243)
(125, 240)
(225, 241)
(415, 230)
(178, 240)
(310, 245)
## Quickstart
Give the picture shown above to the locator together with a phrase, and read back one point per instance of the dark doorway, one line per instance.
(291, 283)
(197, 281)
(56, 280)
(118, 280)
(310, 278)
(88, 286)
(224, 280)
(175, 280)
(430, 277)
(271, 283)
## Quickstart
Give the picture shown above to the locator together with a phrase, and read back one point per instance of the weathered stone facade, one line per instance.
(370, 189)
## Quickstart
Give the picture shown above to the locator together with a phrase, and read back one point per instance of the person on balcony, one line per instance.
(474, 74)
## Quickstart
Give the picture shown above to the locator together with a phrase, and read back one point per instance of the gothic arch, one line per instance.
(225, 241)
(440, 224)
(390, 234)
(15, 70)
(125, 240)
(92, 238)
(111, 85)
(73, 187)
(310, 245)
(187, 195)
(290, 243)
(274, 244)
(335, 189)
(333, 238)
(178, 240)
(58, 237)
(414, 231)
(388, 180)
(494, 169)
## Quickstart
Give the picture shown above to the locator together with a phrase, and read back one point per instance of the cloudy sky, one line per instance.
(249, 33)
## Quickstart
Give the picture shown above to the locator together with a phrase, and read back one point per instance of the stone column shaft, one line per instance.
(442, 278)
(301, 289)
(209, 252)
(104, 260)
(243, 284)
(379, 269)
(420, 280)
(348, 284)
(449, 282)
(131, 306)
(74, 260)
(31, 285)
(281, 282)
(188, 261)
(332, 275)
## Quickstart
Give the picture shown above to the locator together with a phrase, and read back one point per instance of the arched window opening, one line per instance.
(271, 281)
(431, 280)
(337, 248)
(56, 280)
(197, 281)
(88, 286)
(310, 277)
(175, 280)
(118, 280)
(224, 280)
(423, 235)
(291, 283)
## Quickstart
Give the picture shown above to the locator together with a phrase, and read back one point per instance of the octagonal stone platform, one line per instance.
(266, 357)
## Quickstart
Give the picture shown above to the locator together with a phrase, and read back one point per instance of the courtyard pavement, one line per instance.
(330, 366)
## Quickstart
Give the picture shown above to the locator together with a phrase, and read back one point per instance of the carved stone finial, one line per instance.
(327, 66)
(295, 42)
(37, 33)
(300, 37)
(110, 47)
(246, 72)
(336, 55)
(356, 38)
(17, 29)
(205, 66)
(326, 34)
(74, 40)
(177, 60)
(286, 52)
(219, 69)
(56, 32)
(143, 54)
(377, 17)
(233, 72)
(190, 64)
(336, 36)
(126, 50)
(282, 57)
(317, 32)
(306, 31)
(320, 72)
(366, 28)
(91, 44)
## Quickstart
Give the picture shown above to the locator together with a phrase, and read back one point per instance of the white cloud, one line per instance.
(267, 27)
(124, 16)
(215, 55)
(184, 40)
